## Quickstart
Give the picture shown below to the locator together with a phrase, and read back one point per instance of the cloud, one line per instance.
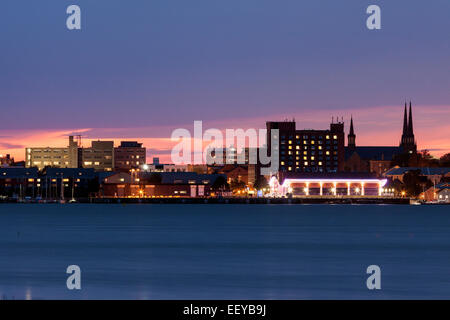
(6, 145)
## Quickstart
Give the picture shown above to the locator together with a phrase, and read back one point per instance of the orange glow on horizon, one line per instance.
(377, 126)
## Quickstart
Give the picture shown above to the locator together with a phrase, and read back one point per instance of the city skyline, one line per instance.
(140, 71)
(368, 125)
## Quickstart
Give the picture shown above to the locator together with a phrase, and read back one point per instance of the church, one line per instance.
(378, 159)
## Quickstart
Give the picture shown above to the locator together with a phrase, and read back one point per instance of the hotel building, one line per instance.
(308, 150)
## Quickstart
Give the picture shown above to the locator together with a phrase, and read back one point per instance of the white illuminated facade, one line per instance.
(328, 187)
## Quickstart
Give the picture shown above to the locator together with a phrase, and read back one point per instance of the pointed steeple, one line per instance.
(408, 142)
(410, 124)
(405, 121)
(351, 138)
(351, 126)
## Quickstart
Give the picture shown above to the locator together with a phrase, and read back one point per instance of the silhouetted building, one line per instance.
(408, 142)
(129, 155)
(6, 160)
(378, 159)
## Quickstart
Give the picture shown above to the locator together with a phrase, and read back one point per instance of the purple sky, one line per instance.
(139, 66)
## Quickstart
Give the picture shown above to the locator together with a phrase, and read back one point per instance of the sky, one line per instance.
(140, 69)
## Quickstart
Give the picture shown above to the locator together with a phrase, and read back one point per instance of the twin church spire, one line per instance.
(408, 142)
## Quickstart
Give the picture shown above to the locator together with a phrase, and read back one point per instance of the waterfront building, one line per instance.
(100, 156)
(159, 184)
(68, 183)
(443, 195)
(19, 182)
(41, 157)
(129, 155)
(328, 185)
(308, 150)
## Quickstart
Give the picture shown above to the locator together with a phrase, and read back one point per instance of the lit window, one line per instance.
(328, 137)
(290, 141)
(282, 163)
(306, 163)
(320, 147)
(290, 147)
(305, 142)
(312, 142)
(327, 153)
(312, 158)
(297, 147)
(334, 137)
(320, 163)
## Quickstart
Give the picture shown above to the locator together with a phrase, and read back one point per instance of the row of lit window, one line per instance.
(312, 137)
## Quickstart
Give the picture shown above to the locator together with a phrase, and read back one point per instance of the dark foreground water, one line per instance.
(224, 251)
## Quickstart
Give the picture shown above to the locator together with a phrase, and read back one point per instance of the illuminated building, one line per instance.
(309, 150)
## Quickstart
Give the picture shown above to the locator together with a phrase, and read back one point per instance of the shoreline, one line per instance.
(288, 201)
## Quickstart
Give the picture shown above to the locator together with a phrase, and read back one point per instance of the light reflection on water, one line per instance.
(223, 251)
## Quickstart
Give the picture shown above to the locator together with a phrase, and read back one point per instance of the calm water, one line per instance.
(224, 251)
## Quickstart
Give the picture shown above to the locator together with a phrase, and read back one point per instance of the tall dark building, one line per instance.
(309, 150)
(408, 142)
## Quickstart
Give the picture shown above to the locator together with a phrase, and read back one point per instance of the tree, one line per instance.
(260, 183)
(220, 184)
(425, 159)
(401, 160)
(237, 184)
(415, 183)
(444, 161)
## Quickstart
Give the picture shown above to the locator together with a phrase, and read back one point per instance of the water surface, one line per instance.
(168, 251)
